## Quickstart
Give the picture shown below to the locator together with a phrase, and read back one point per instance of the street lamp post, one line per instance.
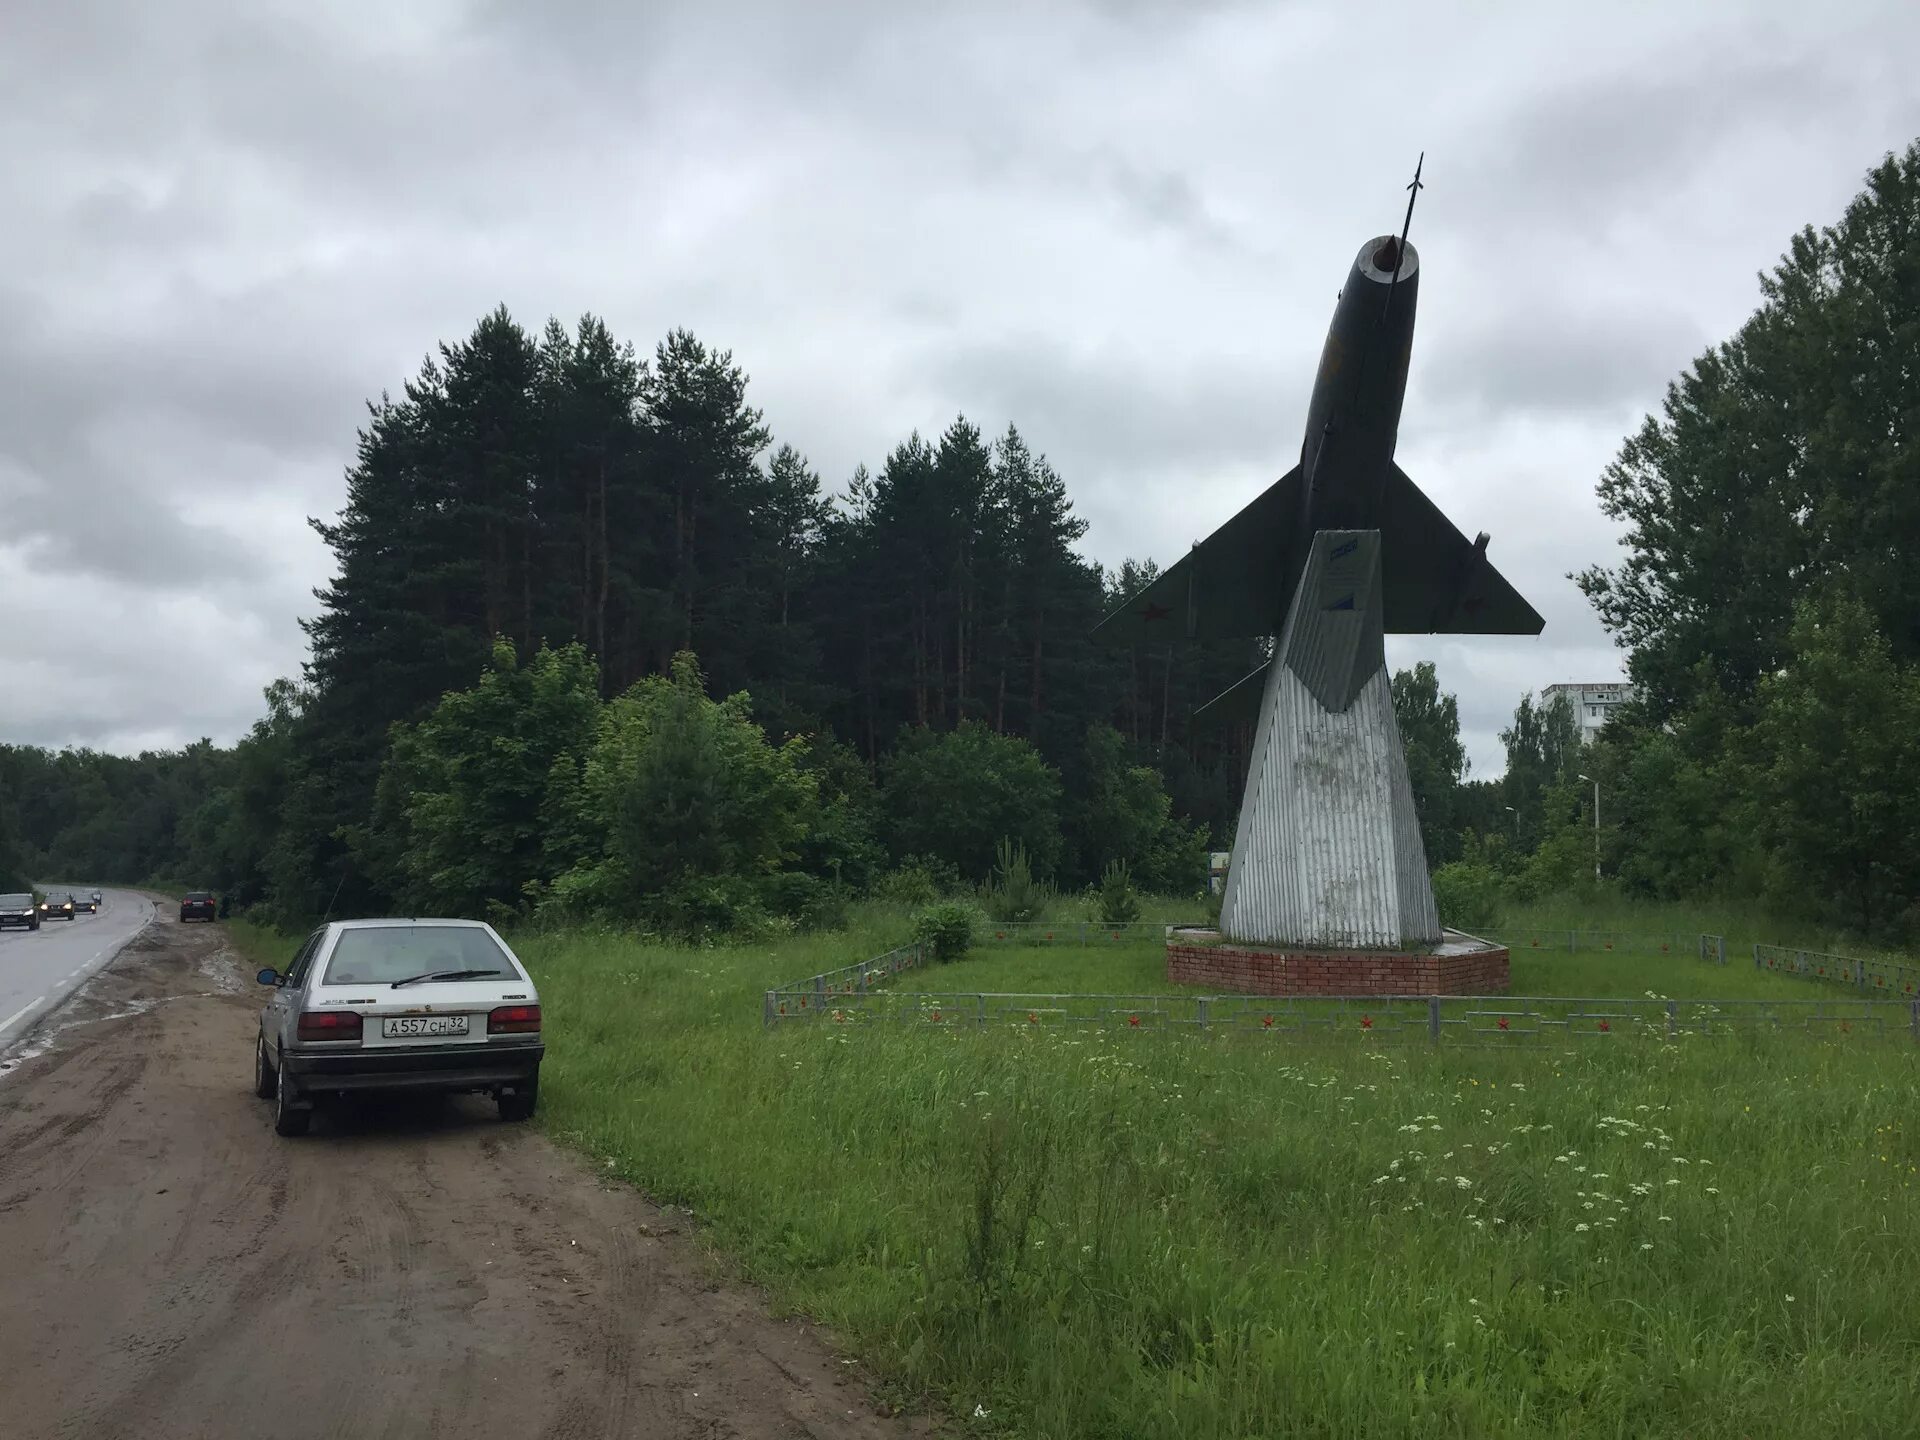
(1596, 829)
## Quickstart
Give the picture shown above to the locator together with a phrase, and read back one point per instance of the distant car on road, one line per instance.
(199, 905)
(385, 1005)
(88, 903)
(57, 906)
(19, 910)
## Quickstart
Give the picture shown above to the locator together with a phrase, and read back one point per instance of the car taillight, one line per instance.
(329, 1025)
(514, 1020)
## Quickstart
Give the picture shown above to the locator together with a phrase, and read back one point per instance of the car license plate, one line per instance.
(424, 1025)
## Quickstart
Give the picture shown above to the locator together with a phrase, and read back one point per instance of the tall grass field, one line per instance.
(1058, 1233)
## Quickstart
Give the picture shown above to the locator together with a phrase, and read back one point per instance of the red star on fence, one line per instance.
(1267, 1021)
(1150, 612)
(1503, 1022)
(1604, 1026)
(1134, 1020)
(1366, 1022)
(936, 1017)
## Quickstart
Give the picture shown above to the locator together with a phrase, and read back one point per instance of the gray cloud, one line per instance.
(1118, 224)
(1539, 353)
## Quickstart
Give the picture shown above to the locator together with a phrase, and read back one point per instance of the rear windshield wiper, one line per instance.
(446, 975)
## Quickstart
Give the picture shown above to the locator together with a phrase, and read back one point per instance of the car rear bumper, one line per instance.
(462, 1067)
(25, 922)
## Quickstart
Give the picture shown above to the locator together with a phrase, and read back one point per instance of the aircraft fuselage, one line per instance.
(1353, 419)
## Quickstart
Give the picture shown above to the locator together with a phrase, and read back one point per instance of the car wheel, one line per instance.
(265, 1078)
(286, 1119)
(520, 1104)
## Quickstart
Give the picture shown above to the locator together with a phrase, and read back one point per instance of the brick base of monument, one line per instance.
(1451, 969)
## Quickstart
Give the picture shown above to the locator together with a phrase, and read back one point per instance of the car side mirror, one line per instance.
(268, 976)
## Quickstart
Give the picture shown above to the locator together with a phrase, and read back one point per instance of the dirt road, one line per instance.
(171, 1268)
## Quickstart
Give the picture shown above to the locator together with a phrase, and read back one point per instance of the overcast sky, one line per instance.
(1118, 225)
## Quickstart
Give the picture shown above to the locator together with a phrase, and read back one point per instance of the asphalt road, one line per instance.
(173, 1270)
(40, 968)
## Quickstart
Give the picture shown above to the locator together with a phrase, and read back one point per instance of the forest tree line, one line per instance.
(542, 510)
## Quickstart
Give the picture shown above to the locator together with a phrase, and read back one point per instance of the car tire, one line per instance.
(286, 1119)
(520, 1104)
(266, 1080)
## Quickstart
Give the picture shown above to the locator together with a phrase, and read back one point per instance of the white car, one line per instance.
(398, 1005)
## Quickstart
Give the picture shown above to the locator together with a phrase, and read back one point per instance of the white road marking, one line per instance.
(18, 1013)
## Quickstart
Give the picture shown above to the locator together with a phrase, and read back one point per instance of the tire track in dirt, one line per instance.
(437, 1272)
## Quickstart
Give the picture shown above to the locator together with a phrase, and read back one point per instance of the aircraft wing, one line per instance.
(1227, 587)
(1436, 581)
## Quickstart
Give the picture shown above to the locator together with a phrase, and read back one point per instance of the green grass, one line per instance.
(1119, 1235)
(1743, 924)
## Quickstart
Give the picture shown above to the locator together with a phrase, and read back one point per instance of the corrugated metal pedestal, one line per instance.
(1328, 852)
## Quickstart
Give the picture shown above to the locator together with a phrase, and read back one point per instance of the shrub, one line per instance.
(1119, 904)
(947, 928)
(952, 794)
(1013, 894)
(1468, 895)
(917, 880)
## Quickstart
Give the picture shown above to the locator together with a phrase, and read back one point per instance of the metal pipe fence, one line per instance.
(1880, 977)
(1073, 932)
(1504, 1020)
(802, 997)
(1572, 942)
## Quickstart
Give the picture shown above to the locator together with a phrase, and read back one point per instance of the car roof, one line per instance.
(407, 920)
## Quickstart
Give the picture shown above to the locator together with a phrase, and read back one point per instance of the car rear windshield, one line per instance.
(15, 902)
(201, 895)
(385, 953)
